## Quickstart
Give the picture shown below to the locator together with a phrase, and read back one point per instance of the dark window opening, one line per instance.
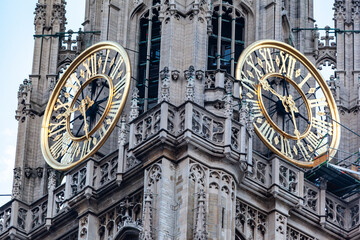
(148, 81)
(231, 32)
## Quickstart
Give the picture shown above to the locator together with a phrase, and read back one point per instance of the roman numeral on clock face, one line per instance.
(249, 60)
(119, 87)
(322, 125)
(317, 102)
(269, 64)
(285, 146)
(267, 131)
(116, 68)
(287, 68)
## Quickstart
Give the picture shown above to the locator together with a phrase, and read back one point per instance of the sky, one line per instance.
(16, 48)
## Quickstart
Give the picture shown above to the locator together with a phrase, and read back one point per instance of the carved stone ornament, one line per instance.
(51, 179)
(280, 223)
(83, 227)
(165, 85)
(16, 192)
(122, 131)
(190, 86)
(134, 109)
(39, 171)
(175, 75)
(28, 172)
(199, 75)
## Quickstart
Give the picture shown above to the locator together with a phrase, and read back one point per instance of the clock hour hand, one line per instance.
(266, 86)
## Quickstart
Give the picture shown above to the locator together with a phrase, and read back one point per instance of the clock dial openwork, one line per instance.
(290, 102)
(85, 105)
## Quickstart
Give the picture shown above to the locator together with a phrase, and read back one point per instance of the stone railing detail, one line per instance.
(354, 216)
(250, 221)
(21, 220)
(59, 199)
(38, 214)
(5, 218)
(294, 234)
(311, 197)
(208, 126)
(335, 212)
(260, 171)
(78, 181)
(288, 178)
(147, 126)
(108, 171)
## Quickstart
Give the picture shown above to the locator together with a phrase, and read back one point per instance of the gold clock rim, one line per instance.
(315, 73)
(52, 100)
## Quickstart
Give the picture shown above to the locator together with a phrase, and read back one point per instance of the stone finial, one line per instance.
(200, 217)
(147, 231)
(228, 99)
(134, 108)
(249, 119)
(165, 85)
(190, 87)
(51, 179)
(327, 36)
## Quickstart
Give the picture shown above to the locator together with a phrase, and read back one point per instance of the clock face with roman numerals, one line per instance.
(85, 105)
(292, 107)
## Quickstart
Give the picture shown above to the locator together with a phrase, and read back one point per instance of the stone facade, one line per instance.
(191, 166)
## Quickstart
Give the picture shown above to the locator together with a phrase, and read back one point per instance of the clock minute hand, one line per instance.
(83, 112)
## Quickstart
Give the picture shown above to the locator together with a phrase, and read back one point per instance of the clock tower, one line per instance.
(183, 161)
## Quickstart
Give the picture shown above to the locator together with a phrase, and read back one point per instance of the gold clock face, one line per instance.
(290, 102)
(85, 105)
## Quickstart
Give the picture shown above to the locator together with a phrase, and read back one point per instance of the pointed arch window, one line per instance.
(226, 42)
(149, 57)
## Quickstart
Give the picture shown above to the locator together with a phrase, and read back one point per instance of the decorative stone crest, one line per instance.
(197, 174)
(134, 108)
(40, 14)
(340, 10)
(165, 85)
(190, 86)
(58, 14)
(154, 175)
